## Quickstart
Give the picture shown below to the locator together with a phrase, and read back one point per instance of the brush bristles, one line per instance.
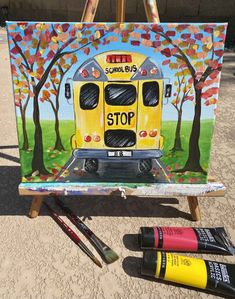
(110, 256)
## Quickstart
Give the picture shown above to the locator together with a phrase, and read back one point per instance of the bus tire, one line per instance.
(91, 165)
(145, 165)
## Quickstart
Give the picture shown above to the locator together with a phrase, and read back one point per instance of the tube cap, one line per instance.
(146, 237)
(149, 263)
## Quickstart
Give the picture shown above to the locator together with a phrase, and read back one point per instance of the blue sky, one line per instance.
(169, 112)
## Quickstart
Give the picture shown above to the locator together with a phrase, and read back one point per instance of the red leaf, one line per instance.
(72, 32)
(28, 30)
(186, 35)
(165, 62)
(31, 59)
(174, 51)
(199, 85)
(145, 36)
(181, 27)
(18, 38)
(14, 50)
(156, 44)
(166, 52)
(213, 64)
(210, 92)
(208, 29)
(219, 53)
(190, 52)
(87, 51)
(180, 180)
(40, 70)
(170, 33)
(198, 36)
(54, 170)
(214, 74)
(50, 55)
(190, 81)
(65, 27)
(47, 85)
(189, 98)
(135, 43)
(157, 28)
(53, 73)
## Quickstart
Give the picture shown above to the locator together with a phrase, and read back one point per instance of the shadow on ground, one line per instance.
(85, 206)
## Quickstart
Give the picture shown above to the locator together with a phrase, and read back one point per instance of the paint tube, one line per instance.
(193, 272)
(188, 239)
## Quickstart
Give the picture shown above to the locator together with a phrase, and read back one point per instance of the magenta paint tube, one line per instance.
(186, 239)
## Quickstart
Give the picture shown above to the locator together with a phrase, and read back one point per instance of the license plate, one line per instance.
(119, 153)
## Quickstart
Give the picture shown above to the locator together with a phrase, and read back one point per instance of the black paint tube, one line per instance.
(186, 239)
(208, 275)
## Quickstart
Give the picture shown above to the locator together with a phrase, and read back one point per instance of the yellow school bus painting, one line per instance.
(129, 103)
(117, 99)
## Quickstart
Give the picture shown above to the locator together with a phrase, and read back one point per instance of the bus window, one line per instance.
(120, 94)
(89, 96)
(120, 138)
(151, 94)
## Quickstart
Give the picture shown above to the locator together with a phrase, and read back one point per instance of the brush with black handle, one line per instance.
(73, 236)
(106, 253)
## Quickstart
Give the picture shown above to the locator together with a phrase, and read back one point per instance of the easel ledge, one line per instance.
(191, 191)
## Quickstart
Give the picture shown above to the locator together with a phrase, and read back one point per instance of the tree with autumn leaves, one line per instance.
(52, 90)
(183, 93)
(192, 50)
(38, 47)
(23, 94)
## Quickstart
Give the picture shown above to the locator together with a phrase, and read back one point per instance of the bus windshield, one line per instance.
(120, 94)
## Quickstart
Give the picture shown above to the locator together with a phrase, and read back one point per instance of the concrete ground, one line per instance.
(37, 260)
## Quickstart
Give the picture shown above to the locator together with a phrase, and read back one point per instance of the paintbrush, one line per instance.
(73, 236)
(106, 253)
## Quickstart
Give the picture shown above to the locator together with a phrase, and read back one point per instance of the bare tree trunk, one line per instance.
(58, 143)
(177, 143)
(25, 135)
(193, 161)
(37, 162)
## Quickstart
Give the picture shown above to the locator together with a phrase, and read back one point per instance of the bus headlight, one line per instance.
(153, 133)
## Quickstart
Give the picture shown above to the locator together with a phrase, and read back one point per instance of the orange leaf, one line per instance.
(45, 94)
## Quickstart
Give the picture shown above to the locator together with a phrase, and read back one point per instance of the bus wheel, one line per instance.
(145, 165)
(91, 165)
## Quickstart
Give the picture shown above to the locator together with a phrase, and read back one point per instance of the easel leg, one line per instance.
(194, 208)
(35, 206)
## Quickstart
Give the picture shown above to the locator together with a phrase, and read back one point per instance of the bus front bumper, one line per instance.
(117, 154)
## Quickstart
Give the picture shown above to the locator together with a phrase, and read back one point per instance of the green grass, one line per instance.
(52, 158)
(55, 159)
(176, 160)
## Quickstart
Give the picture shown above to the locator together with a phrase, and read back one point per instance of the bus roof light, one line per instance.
(121, 58)
(143, 72)
(85, 73)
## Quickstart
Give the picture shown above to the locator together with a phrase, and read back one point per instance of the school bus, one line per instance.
(117, 99)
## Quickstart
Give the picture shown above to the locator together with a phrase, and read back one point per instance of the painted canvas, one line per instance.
(108, 102)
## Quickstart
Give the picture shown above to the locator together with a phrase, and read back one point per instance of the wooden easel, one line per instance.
(192, 192)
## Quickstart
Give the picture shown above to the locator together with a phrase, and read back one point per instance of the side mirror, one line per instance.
(168, 90)
(67, 91)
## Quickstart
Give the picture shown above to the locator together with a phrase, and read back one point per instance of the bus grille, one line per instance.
(120, 138)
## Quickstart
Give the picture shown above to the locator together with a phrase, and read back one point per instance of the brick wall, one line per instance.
(170, 10)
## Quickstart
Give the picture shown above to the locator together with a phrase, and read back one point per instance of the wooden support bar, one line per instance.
(194, 208)
(35, 206)
(120, 11)
(151, 11)
(89, 10)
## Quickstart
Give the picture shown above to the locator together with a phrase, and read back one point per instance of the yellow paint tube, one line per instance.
(194, 272)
